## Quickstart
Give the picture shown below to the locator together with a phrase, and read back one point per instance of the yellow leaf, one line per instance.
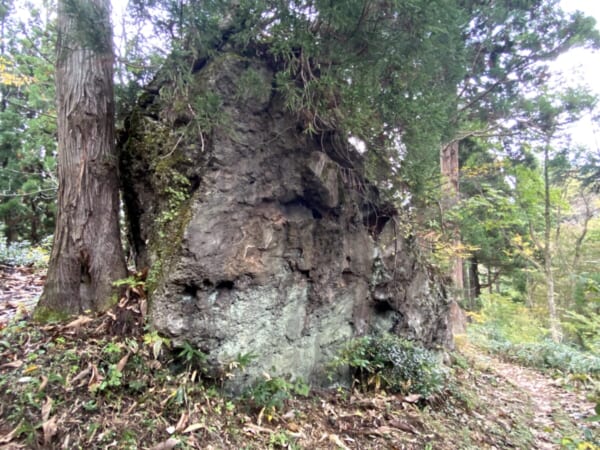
(31, 368)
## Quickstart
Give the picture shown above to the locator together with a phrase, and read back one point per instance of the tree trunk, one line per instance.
(474, 285)
(555, 331)
(87, 255)
(449, 166)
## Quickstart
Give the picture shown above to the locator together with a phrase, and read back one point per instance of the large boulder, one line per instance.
(264, 239)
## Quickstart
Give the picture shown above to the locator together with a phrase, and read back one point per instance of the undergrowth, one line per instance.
(91, 384)
(108, 382)
(389, 362)
(22, 253)
(510, 330)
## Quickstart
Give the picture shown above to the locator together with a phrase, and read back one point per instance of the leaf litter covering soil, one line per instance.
(553, 405)
(56, 392)
(20, 289)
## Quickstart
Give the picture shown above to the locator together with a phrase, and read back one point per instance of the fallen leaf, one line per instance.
(404, 426)
(183, 420)
(31, 368)
(82, 374)
(50, 428)
(13, 365)
(79, 322)
(46, 409)
(255, 429)
(166, 445)
(194, 427)
(95, 378)
(43, 384)
(143, 308)
(337, 441)
(260, 417)
(293, 427)
(10, 436)
(413, 398)
(123, 362)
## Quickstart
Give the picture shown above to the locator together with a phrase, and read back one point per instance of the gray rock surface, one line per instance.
(274, 249)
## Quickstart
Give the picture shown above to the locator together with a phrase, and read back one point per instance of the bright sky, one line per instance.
(583, 66)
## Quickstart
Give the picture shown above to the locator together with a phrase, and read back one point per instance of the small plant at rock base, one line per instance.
(390, 362)
(282, 439)
(271, 393)
(156, 342)
(192, 357)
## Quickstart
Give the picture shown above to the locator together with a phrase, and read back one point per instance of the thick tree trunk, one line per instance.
(87, 255)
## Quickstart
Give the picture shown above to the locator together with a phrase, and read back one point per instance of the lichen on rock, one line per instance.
(272, 251)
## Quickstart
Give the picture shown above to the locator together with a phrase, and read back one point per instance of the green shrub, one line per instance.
(503, 319)
(552, 355)
(390, 362)
(584, 328)
(22, 253)
(272, 392)
(509, 329)
(544, 354)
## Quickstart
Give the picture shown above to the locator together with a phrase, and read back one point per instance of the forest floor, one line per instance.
(20, 288)
(105, 382)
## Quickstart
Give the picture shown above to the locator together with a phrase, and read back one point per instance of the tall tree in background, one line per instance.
(508, 48)
(544, 119)
(28, 123)
(87, 255)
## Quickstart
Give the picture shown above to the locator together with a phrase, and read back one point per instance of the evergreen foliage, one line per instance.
(28, 126)
(392, 363)
(384, 72)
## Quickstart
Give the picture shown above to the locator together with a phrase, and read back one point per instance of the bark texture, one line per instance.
(262, 238)
(87, 255)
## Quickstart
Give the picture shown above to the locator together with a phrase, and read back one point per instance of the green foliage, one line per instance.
(191, 357)
(112, 379)
(156, 342)
(510, 329)
(132, 282)
(548, 355)
(22, 253)
(376, 70)
(272, 392)
(585, 328)
(89, 19)
(392, 363)
(503, 318)
(282, 439)
(27, 136)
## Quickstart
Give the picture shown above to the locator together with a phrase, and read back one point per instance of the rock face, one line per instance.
(259, 236)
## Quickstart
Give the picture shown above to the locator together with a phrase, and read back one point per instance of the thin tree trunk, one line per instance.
(555, 331)
(87, 255)
(474, 291)
(589, 214)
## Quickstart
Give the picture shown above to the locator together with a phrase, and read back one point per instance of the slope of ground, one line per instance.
(106, 382)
